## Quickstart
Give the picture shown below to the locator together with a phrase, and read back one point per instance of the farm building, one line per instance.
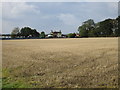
(56, 34)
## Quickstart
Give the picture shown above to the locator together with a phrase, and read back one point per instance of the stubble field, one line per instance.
(60, 63)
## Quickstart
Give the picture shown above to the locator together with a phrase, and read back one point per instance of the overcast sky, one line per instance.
(47, 16)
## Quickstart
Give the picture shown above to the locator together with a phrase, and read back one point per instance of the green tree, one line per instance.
(117, 30)
(15, 32)
(108, 27)
(71, 35)
(87, 28)
(83, 31)
(27, 31)
(105, 28)
(34, 33)
(92, 33)
(42, 35)
(89, 23)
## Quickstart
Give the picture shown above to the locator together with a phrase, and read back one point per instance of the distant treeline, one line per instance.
(106, 28)
(26, 32)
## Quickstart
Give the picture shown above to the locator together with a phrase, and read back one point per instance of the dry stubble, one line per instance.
(78, 62)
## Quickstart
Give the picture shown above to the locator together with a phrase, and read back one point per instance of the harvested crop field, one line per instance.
(60, 63)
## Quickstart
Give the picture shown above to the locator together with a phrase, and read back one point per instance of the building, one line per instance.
(56, 34)
(77, 35)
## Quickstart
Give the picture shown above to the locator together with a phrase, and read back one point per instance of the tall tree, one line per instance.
(71, 35)
(34, 33)
(105, 27)
(15, 32)
(86, 28)
(83, 31)
(42, 35)
(27, 31)
(117, 30)
(89, 23)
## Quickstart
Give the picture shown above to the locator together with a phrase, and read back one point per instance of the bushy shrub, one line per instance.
(71, 35)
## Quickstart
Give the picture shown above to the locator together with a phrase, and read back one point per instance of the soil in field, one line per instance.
(58, 63)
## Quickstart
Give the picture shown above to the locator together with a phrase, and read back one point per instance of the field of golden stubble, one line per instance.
(58, 63)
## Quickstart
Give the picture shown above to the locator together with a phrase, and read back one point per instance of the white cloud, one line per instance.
(68, 19)
(113, 8)
(7, 26)
(16, 10)
(17, 14)
(47, 16)
(113, 5)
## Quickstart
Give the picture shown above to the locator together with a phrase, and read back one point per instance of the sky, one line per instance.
(47, 16)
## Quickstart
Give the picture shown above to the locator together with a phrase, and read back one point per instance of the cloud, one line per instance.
(113, 6)
(66, 16)
(18, 14)
(7, 26)
(68, 19)
(18, 9)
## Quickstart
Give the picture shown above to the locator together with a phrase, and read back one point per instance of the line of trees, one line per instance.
(26, 32)
(71, 35)
(106, 28)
